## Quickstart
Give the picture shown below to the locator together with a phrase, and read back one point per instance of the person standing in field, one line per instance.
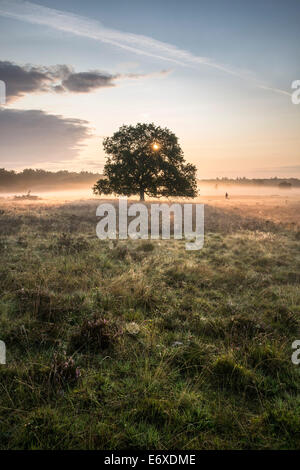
(226, 196)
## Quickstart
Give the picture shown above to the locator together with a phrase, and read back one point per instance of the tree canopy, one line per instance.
(146, 160)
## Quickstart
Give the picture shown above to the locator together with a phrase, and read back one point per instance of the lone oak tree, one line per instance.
(146, 159)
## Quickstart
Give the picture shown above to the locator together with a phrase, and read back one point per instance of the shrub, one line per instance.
(192, 357)
(285, 318)
(268, 358)
(120, 252)
(154, 411)
(22, 242)
(3, 244)
(281, 423)
(66, 244)
(95, 335)
(245, 327)
(47, 305)
(146, 247)
(233, 376)
(63, 371)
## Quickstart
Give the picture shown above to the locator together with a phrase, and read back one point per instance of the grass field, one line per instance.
(142, 344)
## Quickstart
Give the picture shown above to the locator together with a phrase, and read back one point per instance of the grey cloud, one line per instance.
(85, 82)
(21, 80)
(32, 136)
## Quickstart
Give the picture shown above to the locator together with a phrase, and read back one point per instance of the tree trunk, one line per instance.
(142, 195)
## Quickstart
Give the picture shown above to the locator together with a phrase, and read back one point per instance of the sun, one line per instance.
(155, 146)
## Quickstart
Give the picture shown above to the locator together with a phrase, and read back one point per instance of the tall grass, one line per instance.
(142, 344)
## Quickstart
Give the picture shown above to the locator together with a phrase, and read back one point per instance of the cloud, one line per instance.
(32, 136)
(87, 81)
(137, 76)
(21, 80)
(136, 43)
(24, 79)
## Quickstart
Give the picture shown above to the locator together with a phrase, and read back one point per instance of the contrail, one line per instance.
(136, 43)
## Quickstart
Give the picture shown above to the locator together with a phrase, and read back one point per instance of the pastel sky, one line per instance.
(216, 72)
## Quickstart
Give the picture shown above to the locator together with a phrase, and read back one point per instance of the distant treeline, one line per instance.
(40, 180)
(29, 179)
(279, 182)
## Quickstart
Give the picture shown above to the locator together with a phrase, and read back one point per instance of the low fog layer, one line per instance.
(205, 190)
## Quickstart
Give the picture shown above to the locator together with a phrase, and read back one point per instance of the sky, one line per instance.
(218, 73)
